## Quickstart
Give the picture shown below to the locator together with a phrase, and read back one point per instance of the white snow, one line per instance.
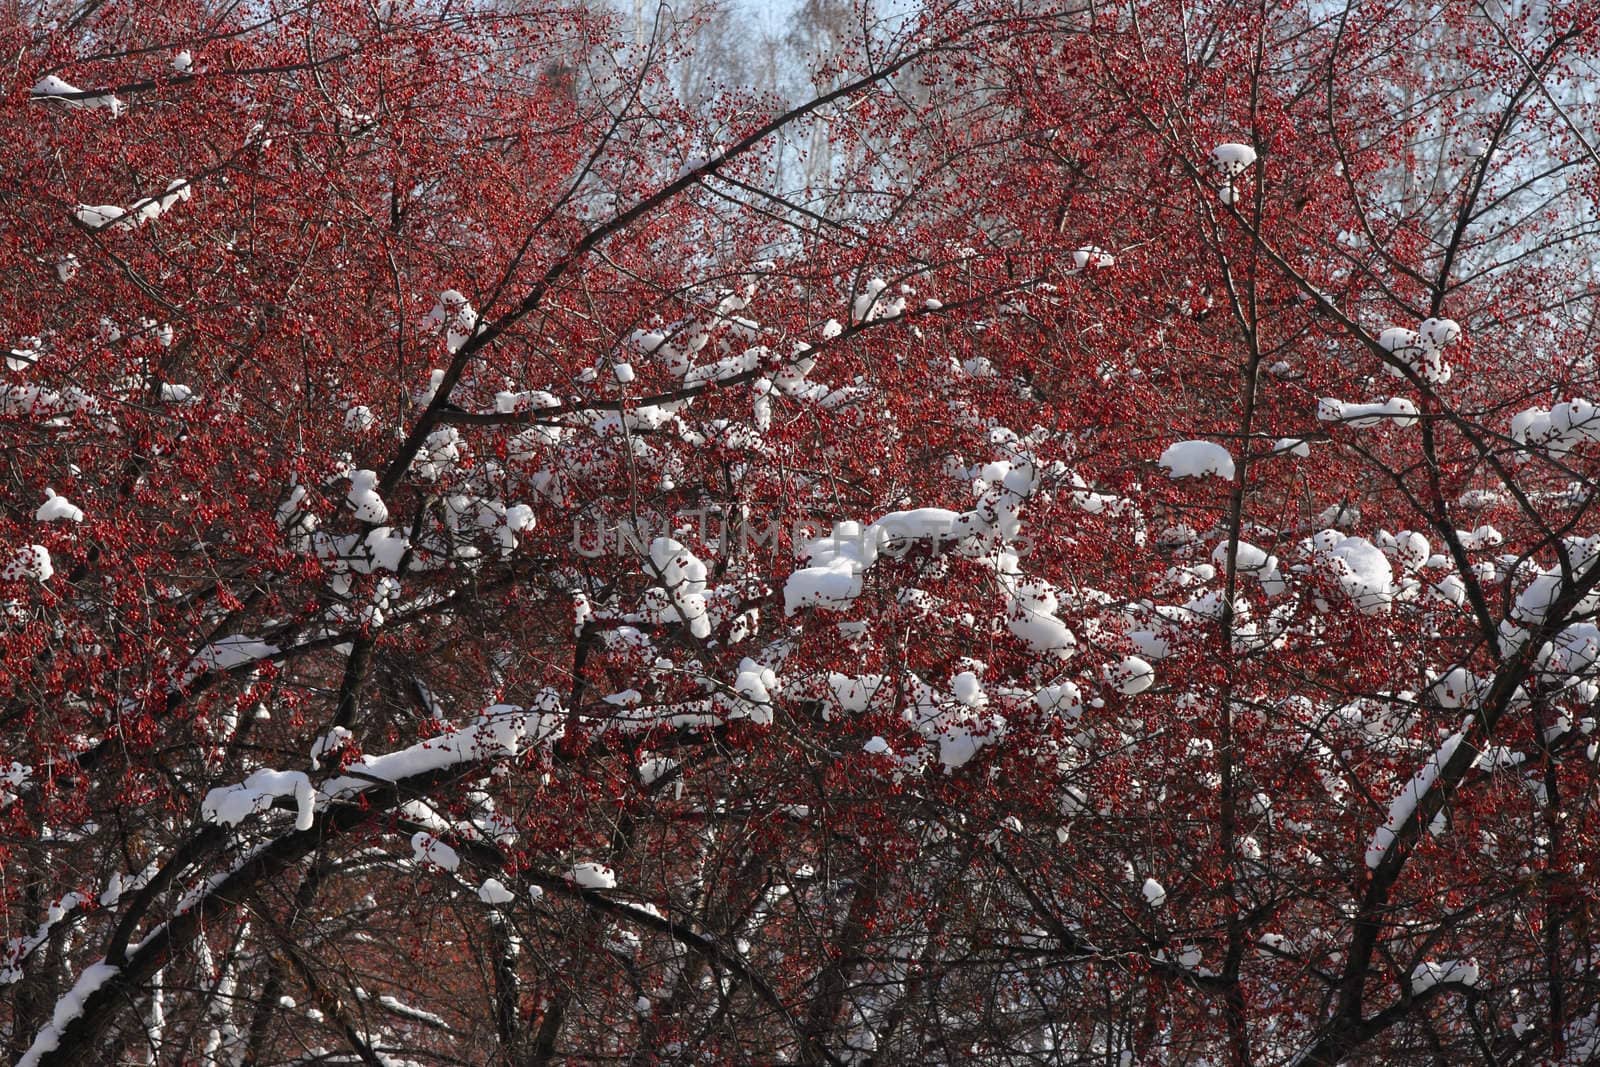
(589, 875)
(727, 368)
(67, 1009)
(1397, 410)
(29, 561)
(1362, 570)
(400, 1007)
(1031, 615)
(1459, 688)
(54, 90)
(1411, 549)
(225, 653)
(1426, 975)
(853, 695)
(1131, 676)
(26, 353)
(1439, 333)
(1197, 459)
(1450, 589)
(1232, 158)
(872, 304)
(836, 562)
(1154, 893)
(1252, 559)
(231, 804)
(1404, 805)
(963, 735)
(653, 768)
(1291, 446)
(755, 684)
(13, 776)
(145, 209)
(364, 500)
(120, 884)
(1086, 258)
(427, 850)
(968, 689)
(455, 310)
(1060, 698)
(502, 731)
(1275, 944)
(1422, 349)
(681, 596)
(438, 454)
(385, 548)
(1560, 429)
(57, 509)
(335, 738)
(494, 892)
(98, 216)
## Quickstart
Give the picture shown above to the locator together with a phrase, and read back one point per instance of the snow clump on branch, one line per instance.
(145, 209)
(1197, 459)
(1421, 349)
(59, 92)
(1231, 160)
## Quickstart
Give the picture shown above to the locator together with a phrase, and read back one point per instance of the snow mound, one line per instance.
(364, 499)
(1427, 974)
(1397, 410)
(57, 509)
(427, 850)
(589, 875)
(1197, 459)
(29, 561)
(1361, 569)
(494, 892)
(1232, 158)
(231, 804)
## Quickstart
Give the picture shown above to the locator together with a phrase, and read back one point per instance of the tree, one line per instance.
(492, 577)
